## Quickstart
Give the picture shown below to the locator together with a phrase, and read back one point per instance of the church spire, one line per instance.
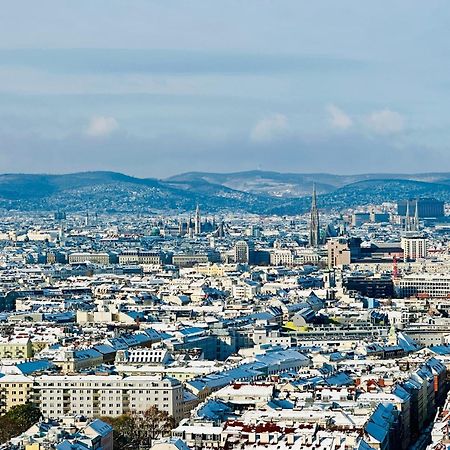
(416, 217)
(197, 221)
(407, 218)
(314, 231)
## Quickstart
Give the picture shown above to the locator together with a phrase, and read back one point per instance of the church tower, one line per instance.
(314, 226)
(197, 222)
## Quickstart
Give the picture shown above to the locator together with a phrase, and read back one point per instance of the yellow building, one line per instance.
(16, 348)
(14, 390)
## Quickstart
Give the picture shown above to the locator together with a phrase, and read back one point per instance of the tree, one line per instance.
(152, 424)
(139, 430)
(17, 420)
(123, 433)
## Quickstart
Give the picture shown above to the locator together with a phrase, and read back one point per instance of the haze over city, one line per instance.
(155, 88)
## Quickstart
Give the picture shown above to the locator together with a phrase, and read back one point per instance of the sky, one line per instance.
(156, 88)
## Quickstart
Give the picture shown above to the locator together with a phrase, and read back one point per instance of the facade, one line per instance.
(242, 252)
(281, 257)
(189, 260)
(339, 253)
(98, 395)
(16, 348)
(143, 355)
(14, 390)
(423, 284)
(139, 257)
(414, 247)
(94, 258)
(370, 286)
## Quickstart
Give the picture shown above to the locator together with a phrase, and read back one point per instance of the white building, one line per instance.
(414, 247)
(423, 284)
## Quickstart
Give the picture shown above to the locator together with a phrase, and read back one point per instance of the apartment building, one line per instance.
(106, 395)
(15, 389)
(16, 348)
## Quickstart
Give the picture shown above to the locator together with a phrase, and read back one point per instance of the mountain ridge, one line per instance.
(261, 192)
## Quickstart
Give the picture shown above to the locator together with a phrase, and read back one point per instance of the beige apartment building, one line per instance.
(16, 348)
(14, 390)
(107, 395)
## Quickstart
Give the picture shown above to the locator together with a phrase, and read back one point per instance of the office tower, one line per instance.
(314, 231)
(242, 252)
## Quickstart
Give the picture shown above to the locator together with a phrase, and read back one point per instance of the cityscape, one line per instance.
(224, 225)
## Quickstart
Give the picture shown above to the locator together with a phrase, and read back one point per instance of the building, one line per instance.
(242, 252)
(414, 247)
(424, 285)
(189, 260)
(197, 222)
(339, 253)
(370, 286)
(139, 257)
(102, 258)
(281, 257)
(359, 218)
(314, 225)
(15, 389)
(106, 395)
(16, 348)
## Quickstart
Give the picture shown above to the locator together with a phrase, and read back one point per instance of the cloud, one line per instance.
(385, 122)
(338, 118)
(170, 62)
(270, 128)
(101, 126)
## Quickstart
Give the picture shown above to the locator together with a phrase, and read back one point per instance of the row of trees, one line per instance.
(139, 430)
(17, 420)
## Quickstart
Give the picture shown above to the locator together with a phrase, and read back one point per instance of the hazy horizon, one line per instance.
(154, 89)
(350, 174)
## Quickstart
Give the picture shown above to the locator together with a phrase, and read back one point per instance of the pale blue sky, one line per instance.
(154, 88)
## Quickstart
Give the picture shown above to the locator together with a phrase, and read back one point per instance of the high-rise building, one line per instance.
(339, 253)
(414, 247)
(242, 252)
(314, 226)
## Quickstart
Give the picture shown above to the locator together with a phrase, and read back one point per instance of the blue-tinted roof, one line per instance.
(28, 368)
(191, 330)
(339, 379)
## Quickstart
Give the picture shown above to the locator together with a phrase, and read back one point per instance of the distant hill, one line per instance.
(254, 191)
(111, 191)
(369, 192)
(294, 185)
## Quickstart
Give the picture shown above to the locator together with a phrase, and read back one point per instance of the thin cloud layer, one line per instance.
(101, 126)
(385, 122)
(338, 118)
(270, 128)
